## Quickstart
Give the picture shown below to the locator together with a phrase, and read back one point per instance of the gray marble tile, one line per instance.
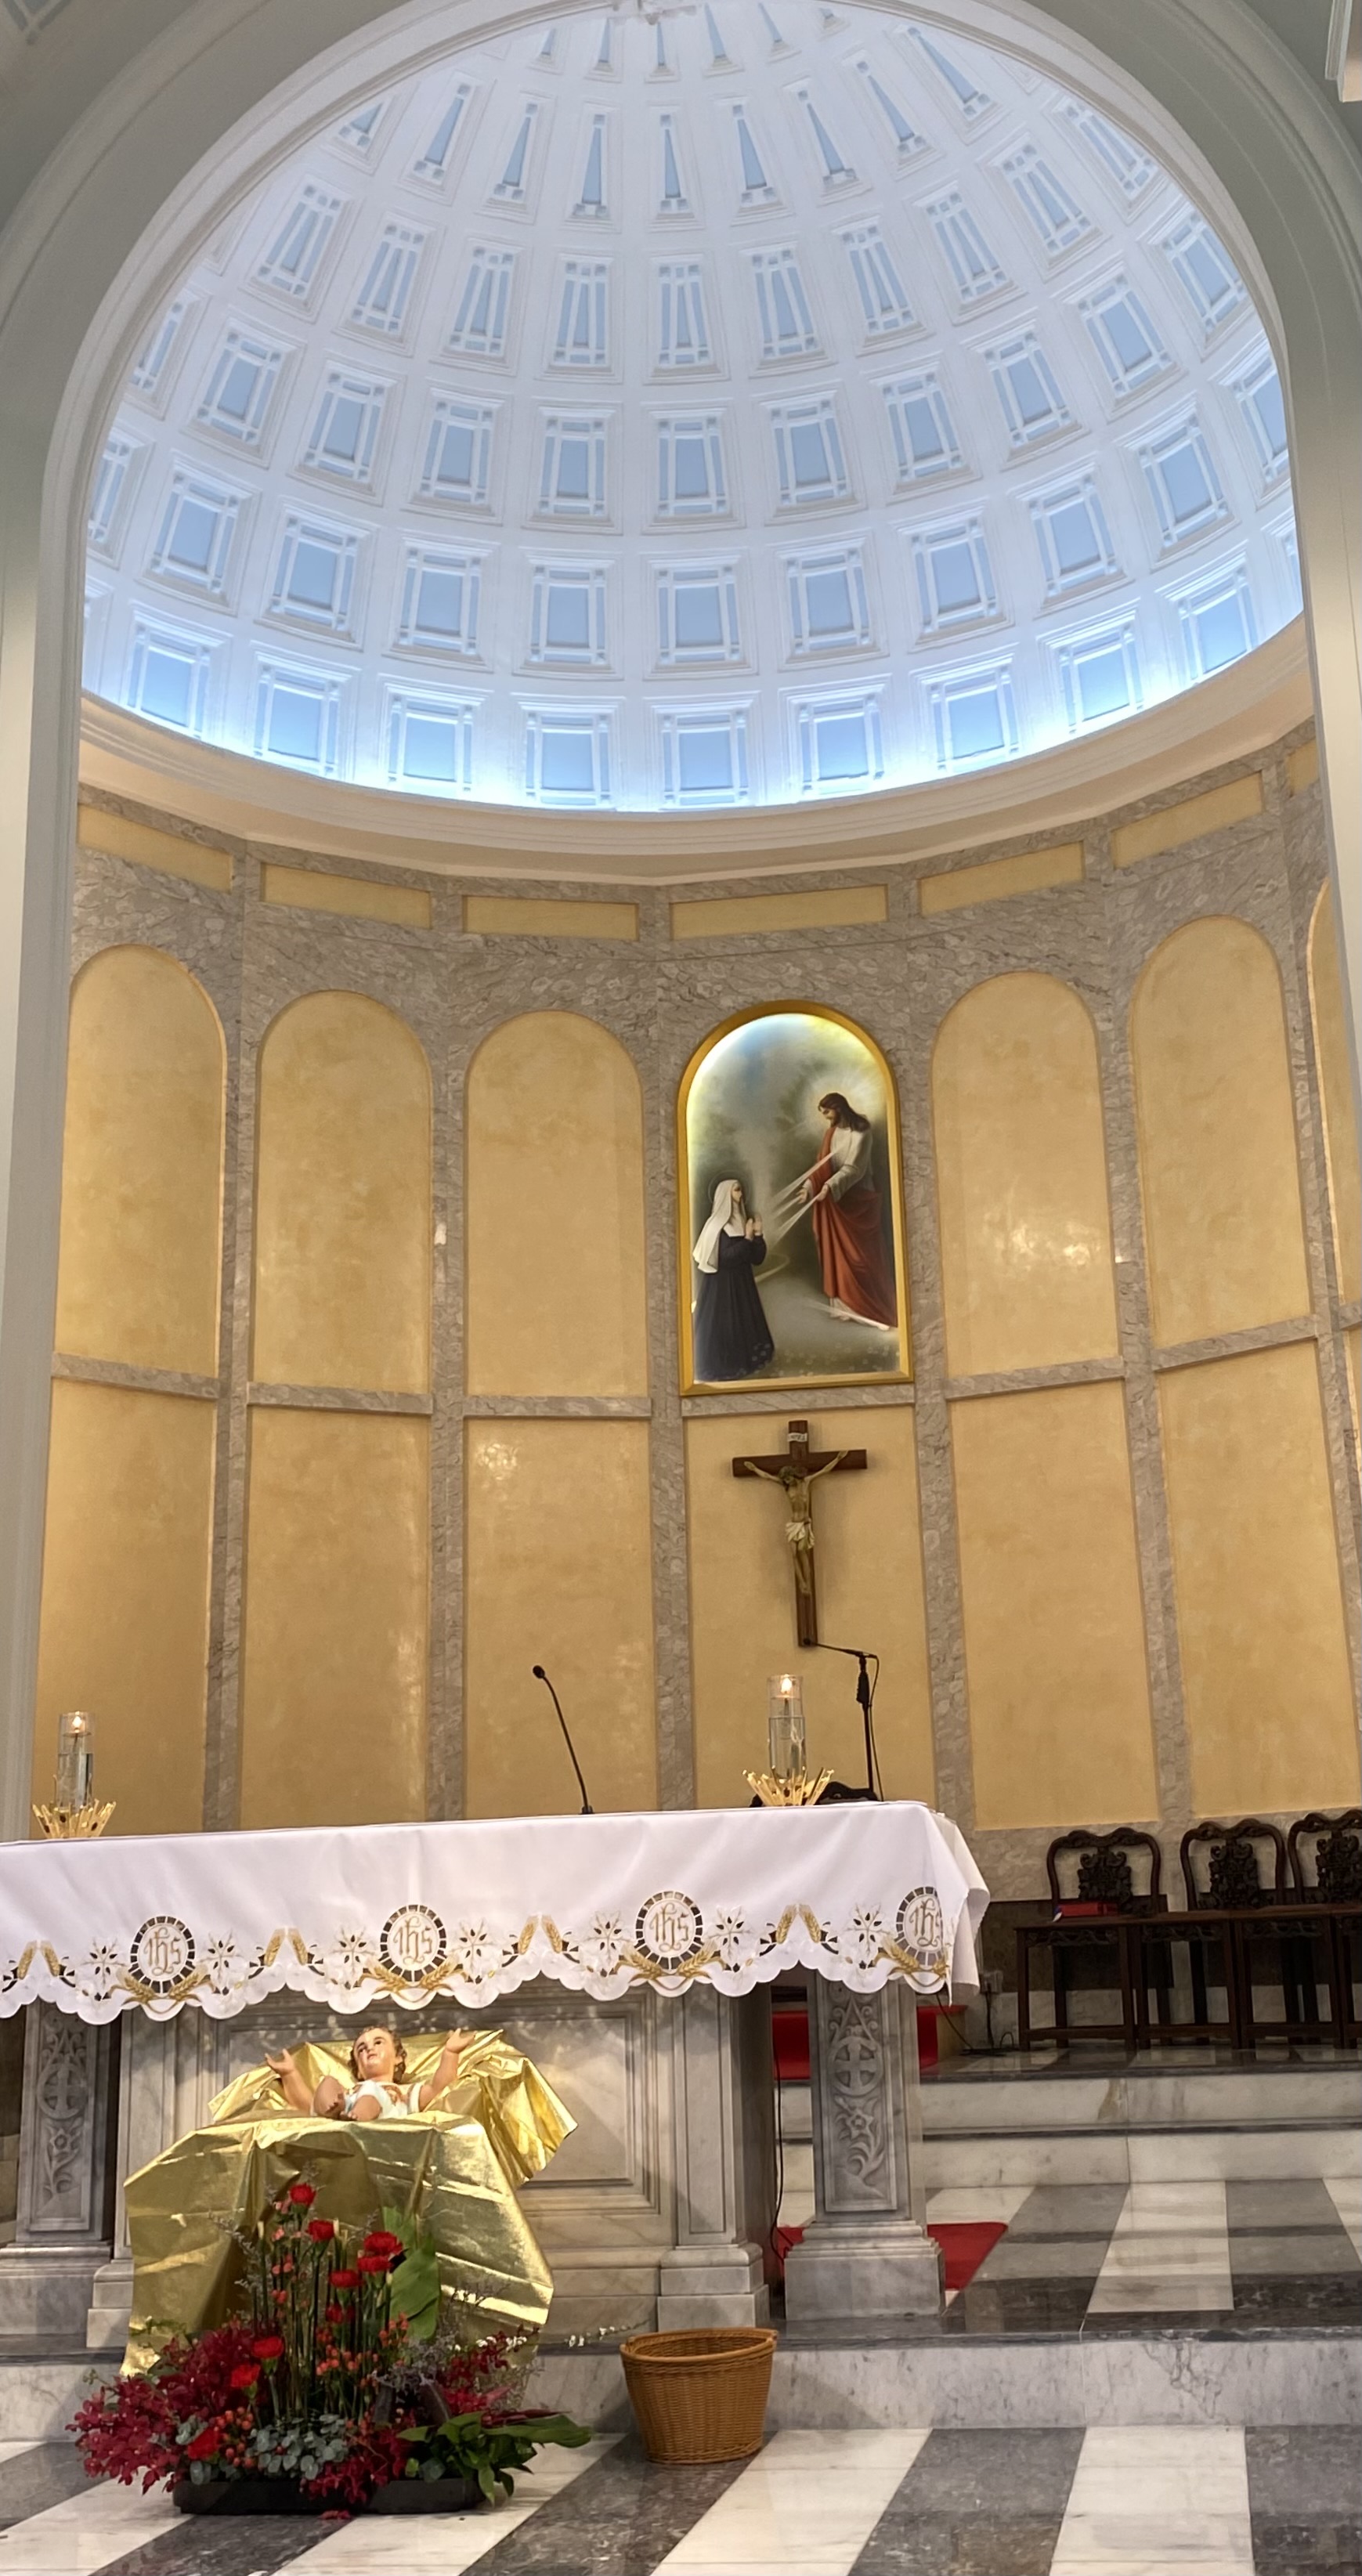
(238, 2544)
(1070, 2210)
(977, 2504)
(1276, 2208)
(1305, 2499)
(617, 2519)
(46, 2475)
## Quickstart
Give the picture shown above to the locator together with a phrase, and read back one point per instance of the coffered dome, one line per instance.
(709, 406)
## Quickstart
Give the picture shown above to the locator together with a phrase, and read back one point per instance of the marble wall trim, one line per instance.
(661, 999)
(958, 1390)
(1227, 1346)
(144, 1381)
(336, 1399)
(556, 1408)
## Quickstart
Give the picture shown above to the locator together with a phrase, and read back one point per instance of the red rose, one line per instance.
(269, 2348)
(245, 2375)
(378, 2241)
(301, 2194)
(203, 2446)
(321, 2230)
(344, 2280)
(373, 2262)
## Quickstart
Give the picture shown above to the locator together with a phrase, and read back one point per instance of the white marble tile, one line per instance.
(948, 2162)
(1169, 2250)
(810, 2500)
(1153, 2500)
(980, 2204)
(1346, 2194)
(1246, 2155)
(1181, 2379)
(86, 2531)
(11, 2450)
(443, 2544)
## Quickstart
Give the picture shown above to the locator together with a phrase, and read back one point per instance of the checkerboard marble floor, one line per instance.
(1113, 2501)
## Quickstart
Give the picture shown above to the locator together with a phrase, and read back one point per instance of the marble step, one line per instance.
(842, 2382)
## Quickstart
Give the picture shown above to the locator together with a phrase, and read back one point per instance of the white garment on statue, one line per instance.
(724, 1220)
(403, 2108)
(849, 1155)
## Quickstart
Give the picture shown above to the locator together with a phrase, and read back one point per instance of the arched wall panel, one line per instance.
(1336, 1095)
(1022, 1179)
(1217, 1139)
(342, 1225)
(556, 1261)
(141, 1225)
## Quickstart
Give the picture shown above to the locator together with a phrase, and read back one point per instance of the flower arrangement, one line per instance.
(346, 2374)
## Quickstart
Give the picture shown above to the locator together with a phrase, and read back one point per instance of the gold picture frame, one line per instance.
(757, 1108)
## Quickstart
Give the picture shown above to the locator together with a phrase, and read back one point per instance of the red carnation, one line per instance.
(301, 2194)
(344, 2280)
(245, 2375)
(204, 2445)
(321, 2230)
(269, 2348)
(378, 2241)
(373, 2262)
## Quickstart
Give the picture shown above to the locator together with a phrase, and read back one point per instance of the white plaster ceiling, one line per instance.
(728, 405)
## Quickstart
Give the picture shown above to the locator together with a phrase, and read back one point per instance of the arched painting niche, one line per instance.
(793, 1269)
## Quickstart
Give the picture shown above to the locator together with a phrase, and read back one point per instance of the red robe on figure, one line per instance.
(848, 1228)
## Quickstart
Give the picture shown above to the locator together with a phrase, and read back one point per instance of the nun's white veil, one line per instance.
(724, 1219)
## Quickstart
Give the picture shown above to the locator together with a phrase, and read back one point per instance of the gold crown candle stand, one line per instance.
(75, 1814)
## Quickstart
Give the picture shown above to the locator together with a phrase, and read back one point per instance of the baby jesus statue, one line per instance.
(378, 2065)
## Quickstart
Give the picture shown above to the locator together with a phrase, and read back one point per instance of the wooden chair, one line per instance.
(1246, 1873)
(1099, 1866)
(1325, 1857)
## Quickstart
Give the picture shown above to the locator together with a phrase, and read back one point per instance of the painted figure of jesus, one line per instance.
(378, 2064)
(847, 1219)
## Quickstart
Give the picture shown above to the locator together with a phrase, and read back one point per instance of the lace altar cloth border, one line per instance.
(362, 1915)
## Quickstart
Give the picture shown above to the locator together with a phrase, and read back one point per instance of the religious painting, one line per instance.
(791, 1215)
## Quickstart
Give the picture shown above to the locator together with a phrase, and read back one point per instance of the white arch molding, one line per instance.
(138, 124)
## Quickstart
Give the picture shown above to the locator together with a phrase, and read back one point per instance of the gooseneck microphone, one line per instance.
(541, 1676)
(865, 1701)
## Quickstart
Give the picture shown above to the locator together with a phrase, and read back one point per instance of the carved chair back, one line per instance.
(1234, 1860)
(1098, 1868)
(1333, 1845)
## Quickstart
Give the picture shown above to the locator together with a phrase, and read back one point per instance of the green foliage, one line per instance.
(486, 2454)
(414, 2283)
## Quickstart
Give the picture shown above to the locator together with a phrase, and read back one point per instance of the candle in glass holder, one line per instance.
(75, 1758)
(785, 1723)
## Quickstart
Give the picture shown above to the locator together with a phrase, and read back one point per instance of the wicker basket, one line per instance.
(700, 2395)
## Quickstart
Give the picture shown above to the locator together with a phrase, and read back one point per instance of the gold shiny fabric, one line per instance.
(454, 2167)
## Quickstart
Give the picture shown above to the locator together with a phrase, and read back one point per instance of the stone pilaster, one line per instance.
(866, 2251)
(723, 2146)
(65, 2204)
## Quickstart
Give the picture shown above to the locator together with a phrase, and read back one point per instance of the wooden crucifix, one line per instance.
(797, 1469)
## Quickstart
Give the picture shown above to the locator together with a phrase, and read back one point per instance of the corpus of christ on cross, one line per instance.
(797, 1469)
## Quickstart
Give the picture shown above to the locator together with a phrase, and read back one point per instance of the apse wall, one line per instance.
(314, 1515)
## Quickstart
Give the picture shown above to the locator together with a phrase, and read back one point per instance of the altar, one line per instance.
(631, 1956)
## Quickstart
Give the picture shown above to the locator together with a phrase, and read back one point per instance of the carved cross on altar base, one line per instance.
(797, 1469)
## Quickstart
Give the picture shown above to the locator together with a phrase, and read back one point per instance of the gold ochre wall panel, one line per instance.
(1217, 1138)
(1022, 1179)
(1265, 1674)
(124, 1628)
(1336, 1094)
(141, 1215)
(333, 1686)
(558, 1572)
(342, 1253)
(869, 1549)
(1054, 1632)
(556, 1261)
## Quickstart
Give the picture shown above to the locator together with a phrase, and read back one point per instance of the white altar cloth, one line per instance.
(354, 1916)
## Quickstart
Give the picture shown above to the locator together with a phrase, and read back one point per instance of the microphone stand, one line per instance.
(541, 1676)
(865, 1701)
